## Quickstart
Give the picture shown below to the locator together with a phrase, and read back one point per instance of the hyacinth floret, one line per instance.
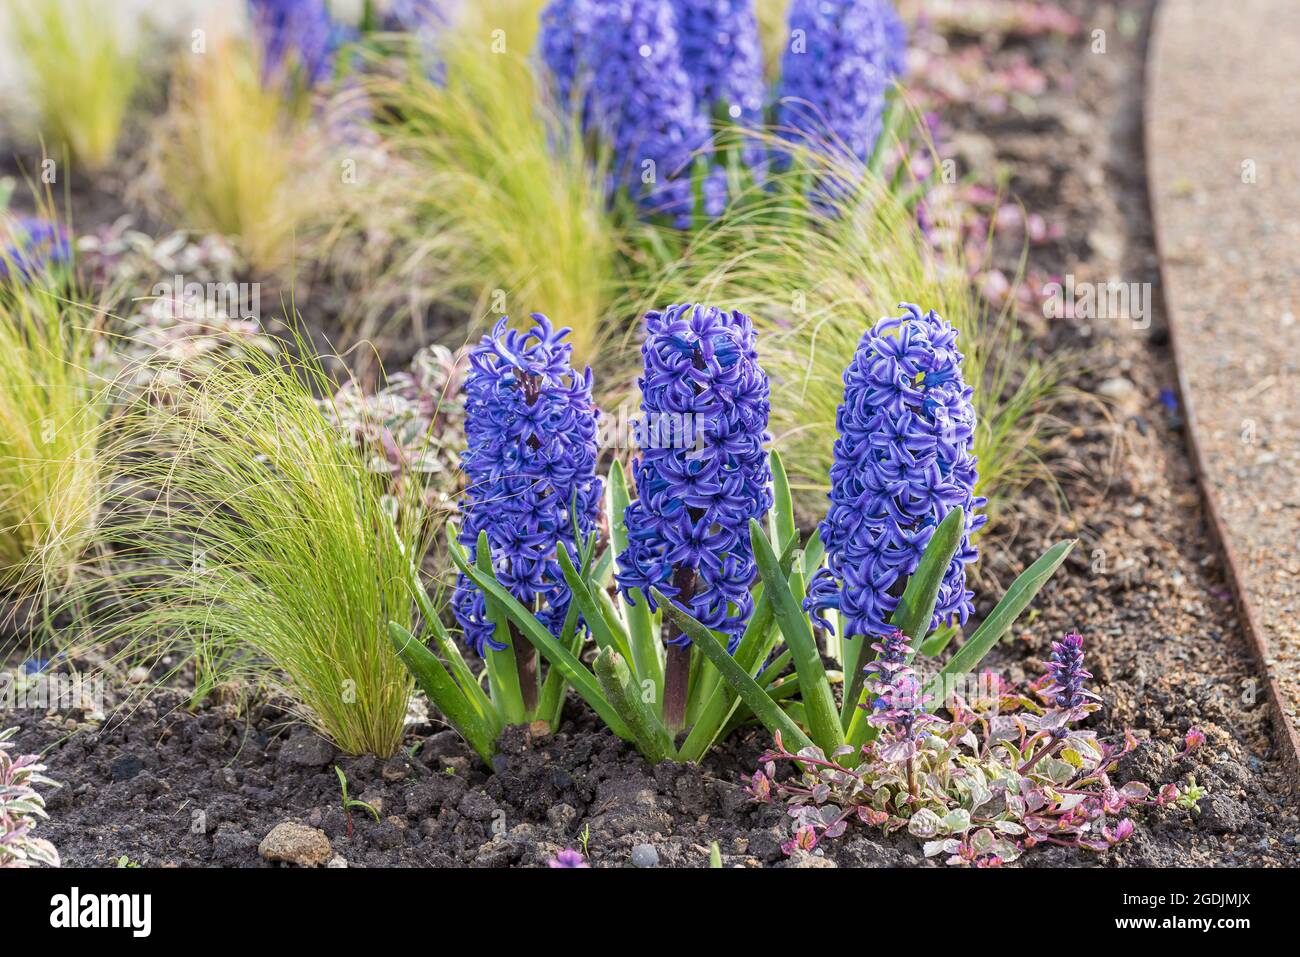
(299, 32)
(530, 426)
(643, 104)
(902, 461)
(841, 60)
(29, 246)
(723, 56)
(688, 531)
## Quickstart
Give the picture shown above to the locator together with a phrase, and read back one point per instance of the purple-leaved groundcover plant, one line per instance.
(1007, 769)
(21, 808)
(688, 530)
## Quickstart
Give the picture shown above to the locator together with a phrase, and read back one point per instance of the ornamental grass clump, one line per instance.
(21, 808)
(242, 157)
(84, 74)
(51, 414)
(250, 538)
(688, 530)
(475, 147)
(1005, 771)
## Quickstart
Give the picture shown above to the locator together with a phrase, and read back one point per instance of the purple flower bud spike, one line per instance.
(841, 60)
(531, 433)
(902, 461)
(1066, 672)
(688, 531)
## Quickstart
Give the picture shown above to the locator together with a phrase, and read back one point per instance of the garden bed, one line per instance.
(159, 784)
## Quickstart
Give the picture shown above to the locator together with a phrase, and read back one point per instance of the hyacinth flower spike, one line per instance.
(897, 541)
(646, 79)
(688, 530)
(680, 553)
(296, 35)
(843, 58)
(531, 504)
(697, 570)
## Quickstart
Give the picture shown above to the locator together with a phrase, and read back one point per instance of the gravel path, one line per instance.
(1225, 184)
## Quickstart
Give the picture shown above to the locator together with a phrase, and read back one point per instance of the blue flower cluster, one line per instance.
(641, 101)
(563, 43)
(647, 76)
(296, 32)
(688, 531)
(723, 57)
(902, 461)
(842, 58)
(31, 246)
(530, 468)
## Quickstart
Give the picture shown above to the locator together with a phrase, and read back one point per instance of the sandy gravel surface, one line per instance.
(1222, 131)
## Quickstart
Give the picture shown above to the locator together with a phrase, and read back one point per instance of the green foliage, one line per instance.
(51, 420)
(248, 531)
(498, 207)
(82, 72)
(817, 723)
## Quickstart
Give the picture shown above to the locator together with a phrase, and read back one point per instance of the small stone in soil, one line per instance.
(645, 855)
(296, 844)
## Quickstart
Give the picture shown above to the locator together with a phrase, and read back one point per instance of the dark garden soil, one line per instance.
(164, 785)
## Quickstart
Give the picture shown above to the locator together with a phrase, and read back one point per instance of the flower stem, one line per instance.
(677, 672)
(526, 666)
